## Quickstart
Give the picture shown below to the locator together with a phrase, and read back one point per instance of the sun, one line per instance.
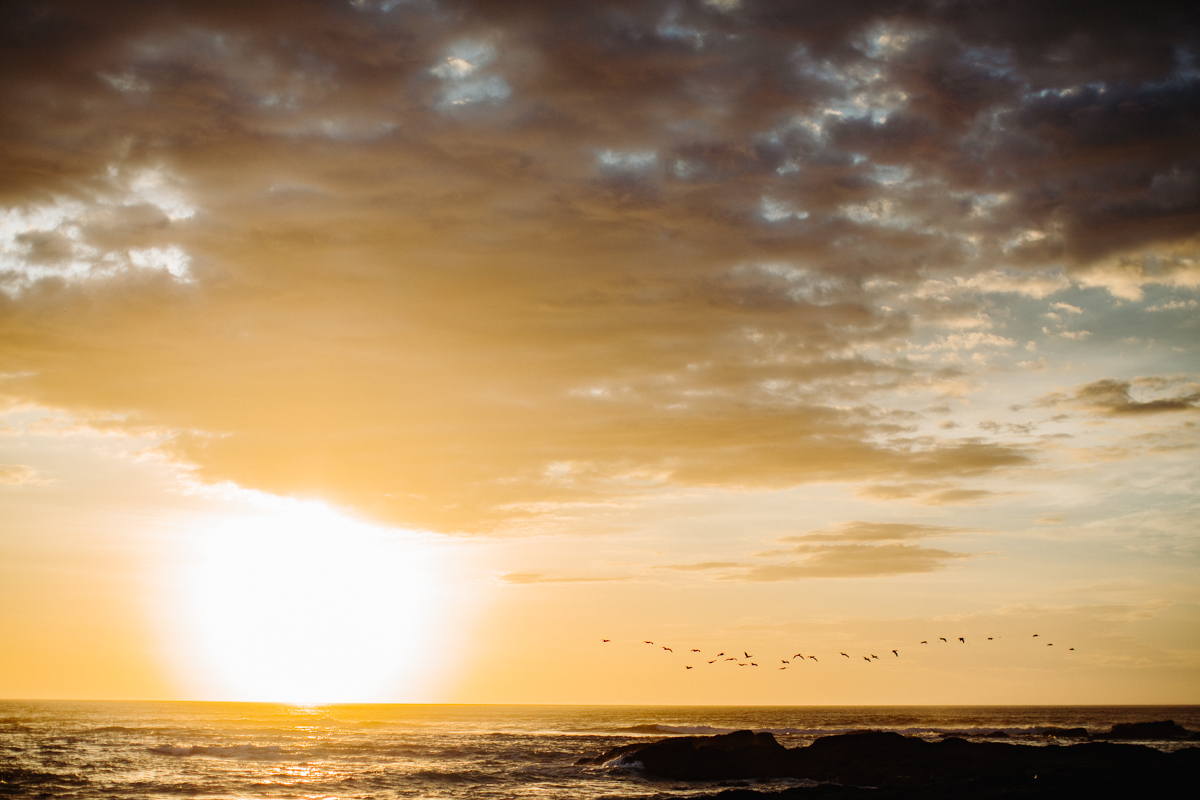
(299, 603)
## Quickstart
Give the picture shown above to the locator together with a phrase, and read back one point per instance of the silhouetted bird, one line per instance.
(747, 654)
(874, 656)
(897, 655)
(1049, 644)
(783, 667)
(720, 654)
(845, 655)
(1035, 636)
(961, 639)
(784, 661)
(943, 638)
(647, 642)
(866, 659)
(694, 650)
(753, 664)
(814, 658)
(989, 638)
(924, 642)
(798, 655)
(669, 650)
(687, 667)
(1070, 648)
(713, 661)
(731, 658)
(604, 640)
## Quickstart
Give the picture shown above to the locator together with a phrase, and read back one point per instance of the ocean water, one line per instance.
(255, 750)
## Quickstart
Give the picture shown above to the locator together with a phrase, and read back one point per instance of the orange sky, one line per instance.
(383, 350)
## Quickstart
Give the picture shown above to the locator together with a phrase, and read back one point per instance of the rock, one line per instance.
(889, 765)
(741, 754)
(1145, 731)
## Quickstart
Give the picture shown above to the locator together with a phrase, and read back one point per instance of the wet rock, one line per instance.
(1066, 733)
(1146, 731)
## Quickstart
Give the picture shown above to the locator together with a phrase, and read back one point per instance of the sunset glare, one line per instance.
(449, 351)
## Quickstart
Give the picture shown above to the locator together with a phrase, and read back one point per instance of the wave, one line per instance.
(246, 752)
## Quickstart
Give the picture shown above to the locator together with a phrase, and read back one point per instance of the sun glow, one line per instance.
(298, 603)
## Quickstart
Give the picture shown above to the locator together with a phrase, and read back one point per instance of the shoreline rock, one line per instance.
(885, 765)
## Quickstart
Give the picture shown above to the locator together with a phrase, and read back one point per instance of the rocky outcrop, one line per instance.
(888, 765)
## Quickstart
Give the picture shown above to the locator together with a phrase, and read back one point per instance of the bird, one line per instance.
(713, 661)
(783, 667)
(943, 638)
(694, 650)
(647, 641)
(742, 665)
(989, 638)
(924, 642)
(845, 655)
(961, 639)
(604, 640)
(753, 664)
(1070, 648)
(866, 659)
(814, 658)
(798, 655)
(1035, 636)
(687, 667)
(731, 658)
(669, 650)
(720, 654)
(784, 661)
(747, 654)
(874, 656)
(897, 655)
(1049, 644)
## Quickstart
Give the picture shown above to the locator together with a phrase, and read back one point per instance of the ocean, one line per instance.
(140, 750)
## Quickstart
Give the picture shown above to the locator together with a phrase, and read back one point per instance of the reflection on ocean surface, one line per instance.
(251, 750)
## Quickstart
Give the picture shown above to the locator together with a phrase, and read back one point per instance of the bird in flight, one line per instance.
(1049, 644)
(961, 639)
(687, 667)
(874, 656)
(845, 655)
(753, 664)
(1035, 636)
(647, 641)
(732, 658)
(1070, 648)
(694, 650)
(713, 661)
(897, 655)
(989, 638)
(784, 661)
(720, 654)
(866, 659)
(798, 655)
(604, 640)
(814, 658)
(669, 650)
(747, 654)
(924, 642)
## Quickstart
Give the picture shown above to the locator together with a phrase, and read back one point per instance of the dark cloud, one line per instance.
(1111, 396)
(416, 257)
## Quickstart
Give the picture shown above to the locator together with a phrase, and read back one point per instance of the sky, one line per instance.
(406, 350)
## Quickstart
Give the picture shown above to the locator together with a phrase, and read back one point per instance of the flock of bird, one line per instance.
(746, 658)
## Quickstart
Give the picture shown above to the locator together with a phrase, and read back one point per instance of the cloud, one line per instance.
(854, 561)
(406, 256)
(1116, 397)
(859, 531)
(19, 475)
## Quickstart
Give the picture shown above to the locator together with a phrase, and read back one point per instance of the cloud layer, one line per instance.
(471, 265)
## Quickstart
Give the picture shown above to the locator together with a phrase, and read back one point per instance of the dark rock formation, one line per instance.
(883, 766)
(1146, 731)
